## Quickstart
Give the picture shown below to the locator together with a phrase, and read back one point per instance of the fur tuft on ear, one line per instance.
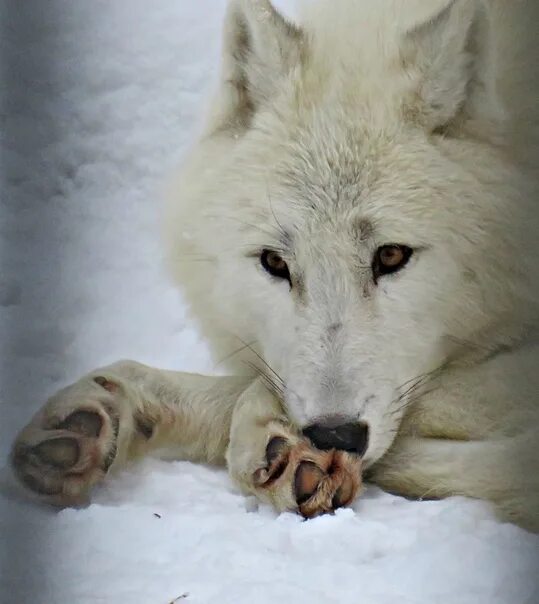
(259, 48)
(452, 57)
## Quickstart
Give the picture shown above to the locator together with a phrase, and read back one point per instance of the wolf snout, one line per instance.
(351, 436)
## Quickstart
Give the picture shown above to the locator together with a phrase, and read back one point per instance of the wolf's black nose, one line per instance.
(352, 437)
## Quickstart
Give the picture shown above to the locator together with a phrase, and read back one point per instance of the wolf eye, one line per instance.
(390, 259)
(274, 265)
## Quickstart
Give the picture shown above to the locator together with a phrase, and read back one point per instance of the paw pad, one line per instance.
(62, 453)
(85, 423)
(306, 481)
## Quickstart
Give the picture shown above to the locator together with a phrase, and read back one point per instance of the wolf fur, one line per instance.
(369, 123)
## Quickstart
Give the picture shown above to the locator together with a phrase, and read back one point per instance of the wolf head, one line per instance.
(352, 220)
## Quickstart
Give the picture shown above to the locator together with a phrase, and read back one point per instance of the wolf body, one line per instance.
(355, 232)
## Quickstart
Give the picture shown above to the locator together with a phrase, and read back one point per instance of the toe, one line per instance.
(277, 447)
(306, 481)
(83, 422)
(276, 462)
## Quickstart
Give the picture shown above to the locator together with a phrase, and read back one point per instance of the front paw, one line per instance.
(70, 444)
(298, 477)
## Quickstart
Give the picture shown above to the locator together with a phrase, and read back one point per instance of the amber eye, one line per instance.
(275, 265)
(390, 259)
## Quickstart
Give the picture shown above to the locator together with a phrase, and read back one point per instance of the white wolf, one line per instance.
(361, 210)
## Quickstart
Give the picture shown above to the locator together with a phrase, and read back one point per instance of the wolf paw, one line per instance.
(70, 444)
(297, 476)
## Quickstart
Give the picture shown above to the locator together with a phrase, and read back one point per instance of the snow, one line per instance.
(102, 100)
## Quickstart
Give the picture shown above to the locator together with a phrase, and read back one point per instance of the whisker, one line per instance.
(266, 364)
(414, 390)
(280, 383)
(233, 353)
(270, 384)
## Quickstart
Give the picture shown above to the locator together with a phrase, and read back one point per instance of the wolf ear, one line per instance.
(259, 48)
(451, 54)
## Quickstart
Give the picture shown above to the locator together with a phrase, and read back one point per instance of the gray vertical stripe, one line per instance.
(30, 255)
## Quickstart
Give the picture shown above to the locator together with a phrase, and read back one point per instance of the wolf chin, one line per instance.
(355, 233)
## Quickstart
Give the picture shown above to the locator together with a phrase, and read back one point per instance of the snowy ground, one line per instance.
(88, 139)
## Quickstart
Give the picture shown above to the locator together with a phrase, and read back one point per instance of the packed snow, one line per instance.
(102, 100)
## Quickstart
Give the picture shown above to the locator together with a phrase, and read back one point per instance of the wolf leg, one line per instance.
(500, 471)
(118, 413)
(126, 410)
(475, 435)
(269, 458)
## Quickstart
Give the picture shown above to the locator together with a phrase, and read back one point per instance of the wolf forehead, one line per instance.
(333, 155)
(335, 171)
(313, 133)
(348, 101)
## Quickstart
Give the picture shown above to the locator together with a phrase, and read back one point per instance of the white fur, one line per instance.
(418, 119)
(373, 122)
